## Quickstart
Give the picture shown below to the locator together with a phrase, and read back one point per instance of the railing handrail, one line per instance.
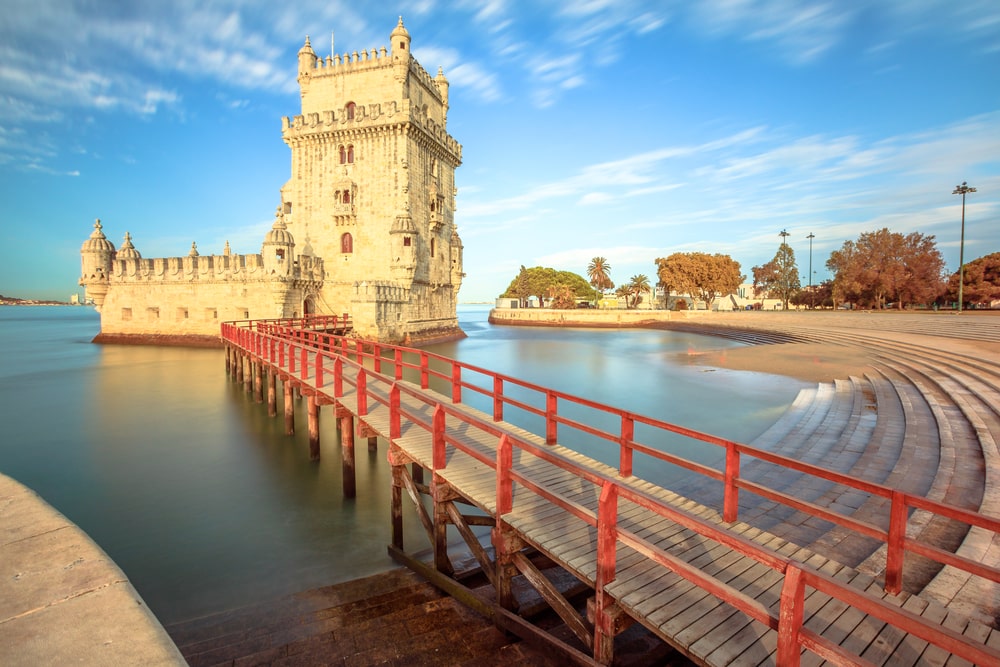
(791, 635)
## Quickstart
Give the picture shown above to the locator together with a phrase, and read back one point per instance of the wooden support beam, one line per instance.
(272, 393)
(555, 599)
(506, 542)
(238, 360)
(312, 410)
(397, 498)
(347, 456)
(258, 382)
(248, 376)
(472, 542)
(286, 388)
(421, 511)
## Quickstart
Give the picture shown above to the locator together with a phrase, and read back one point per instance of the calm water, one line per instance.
(206, 503)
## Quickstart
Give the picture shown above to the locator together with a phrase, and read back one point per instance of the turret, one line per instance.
(442, 85)
(96, 255)
(457, 272)
(400, 42)
(307, 61)
(277, 248)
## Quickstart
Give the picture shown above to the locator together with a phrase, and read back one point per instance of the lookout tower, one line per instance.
(373, 188)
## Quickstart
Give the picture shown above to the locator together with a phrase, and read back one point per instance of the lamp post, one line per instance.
(963, 190)
(811, 237)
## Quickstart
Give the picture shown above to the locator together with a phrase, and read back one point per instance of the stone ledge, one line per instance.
(62, 599)
(173, 340)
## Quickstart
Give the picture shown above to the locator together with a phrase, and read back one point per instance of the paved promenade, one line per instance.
(62, 599)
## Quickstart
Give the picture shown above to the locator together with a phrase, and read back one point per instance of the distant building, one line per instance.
(365, 225)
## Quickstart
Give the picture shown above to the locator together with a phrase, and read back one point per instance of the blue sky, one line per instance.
(619, 128)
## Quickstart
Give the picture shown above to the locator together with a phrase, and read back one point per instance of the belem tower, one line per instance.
(365, 225)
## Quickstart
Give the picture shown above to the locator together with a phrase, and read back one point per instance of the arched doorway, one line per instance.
(309, 306)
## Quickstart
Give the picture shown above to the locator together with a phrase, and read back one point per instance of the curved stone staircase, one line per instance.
(924, 418)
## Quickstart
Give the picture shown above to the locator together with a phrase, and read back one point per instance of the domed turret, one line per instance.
(278, 246)
(96, 255)
(307, 59)
(128, 251)
(400, 40)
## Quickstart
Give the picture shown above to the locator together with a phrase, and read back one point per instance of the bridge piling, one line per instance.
(312, 409)
(272, 393)
(238, 361)
(258, 382)
(347, 455)
(286, 387)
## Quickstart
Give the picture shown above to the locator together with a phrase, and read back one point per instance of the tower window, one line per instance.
(432, 247)
(347, 197)
(406, 241)
(279, 254)
(347, 244)
(350, 154)
(350, 110)
(343, 154)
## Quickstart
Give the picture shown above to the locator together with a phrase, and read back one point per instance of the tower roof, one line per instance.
(98, 242)
(400, 30)
(279, 233)
(128, 251)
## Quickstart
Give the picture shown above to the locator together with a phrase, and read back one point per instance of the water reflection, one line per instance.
(205, 502)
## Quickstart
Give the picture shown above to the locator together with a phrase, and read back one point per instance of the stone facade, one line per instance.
(371, 201)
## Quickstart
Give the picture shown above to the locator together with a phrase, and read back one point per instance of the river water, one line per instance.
(206, 504)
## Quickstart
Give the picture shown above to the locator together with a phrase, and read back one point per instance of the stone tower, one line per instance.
(372, 190)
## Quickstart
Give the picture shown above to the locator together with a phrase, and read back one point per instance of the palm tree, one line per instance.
(598, 271)
(636, 286)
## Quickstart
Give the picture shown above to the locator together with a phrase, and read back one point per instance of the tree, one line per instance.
(883, 266)
(536, 282)
(633, 291)
(779, 278)
(561, 297)
(982, 281)
(599, 273)
(700, 275)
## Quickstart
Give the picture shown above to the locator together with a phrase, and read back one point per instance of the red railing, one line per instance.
(374, 388)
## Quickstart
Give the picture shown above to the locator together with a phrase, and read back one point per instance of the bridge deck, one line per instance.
(555, 503)
(687, 617)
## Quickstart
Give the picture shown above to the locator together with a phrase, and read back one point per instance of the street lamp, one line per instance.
(963, 190)
(811, 237)
(783, 234)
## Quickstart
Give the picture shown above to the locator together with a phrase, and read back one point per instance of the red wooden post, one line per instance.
(272, 392)
(497, 399)
(424, 375)
(731, 498)
(291, 358)
(338, 376)
(286, 388)
(319, 369)
(896, 544)
(790, 617)
(456, 382)
(437, 432)
(551, 428)
(281, 354)
(304, 361)
(362, 393)
(607, 534)
(607, 542)
(505, 491)
(395, 428)
(270, 351)
(398, 361)
(377, 356)
(359, 351)
(628, 435)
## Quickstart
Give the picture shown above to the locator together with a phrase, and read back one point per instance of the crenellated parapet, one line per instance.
(376, 116)
(214, 268)
(380, 292)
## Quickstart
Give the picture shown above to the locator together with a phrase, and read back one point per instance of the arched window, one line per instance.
(346, 243)
(343, 154)
(350, 154)
(350, 110)
(432, 247)
(347, 197)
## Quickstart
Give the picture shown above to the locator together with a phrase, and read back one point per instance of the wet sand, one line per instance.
(811, 362)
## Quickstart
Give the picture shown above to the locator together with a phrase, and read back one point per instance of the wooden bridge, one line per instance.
(722, 573)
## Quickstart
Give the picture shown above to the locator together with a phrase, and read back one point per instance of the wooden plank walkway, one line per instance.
(712, 589)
